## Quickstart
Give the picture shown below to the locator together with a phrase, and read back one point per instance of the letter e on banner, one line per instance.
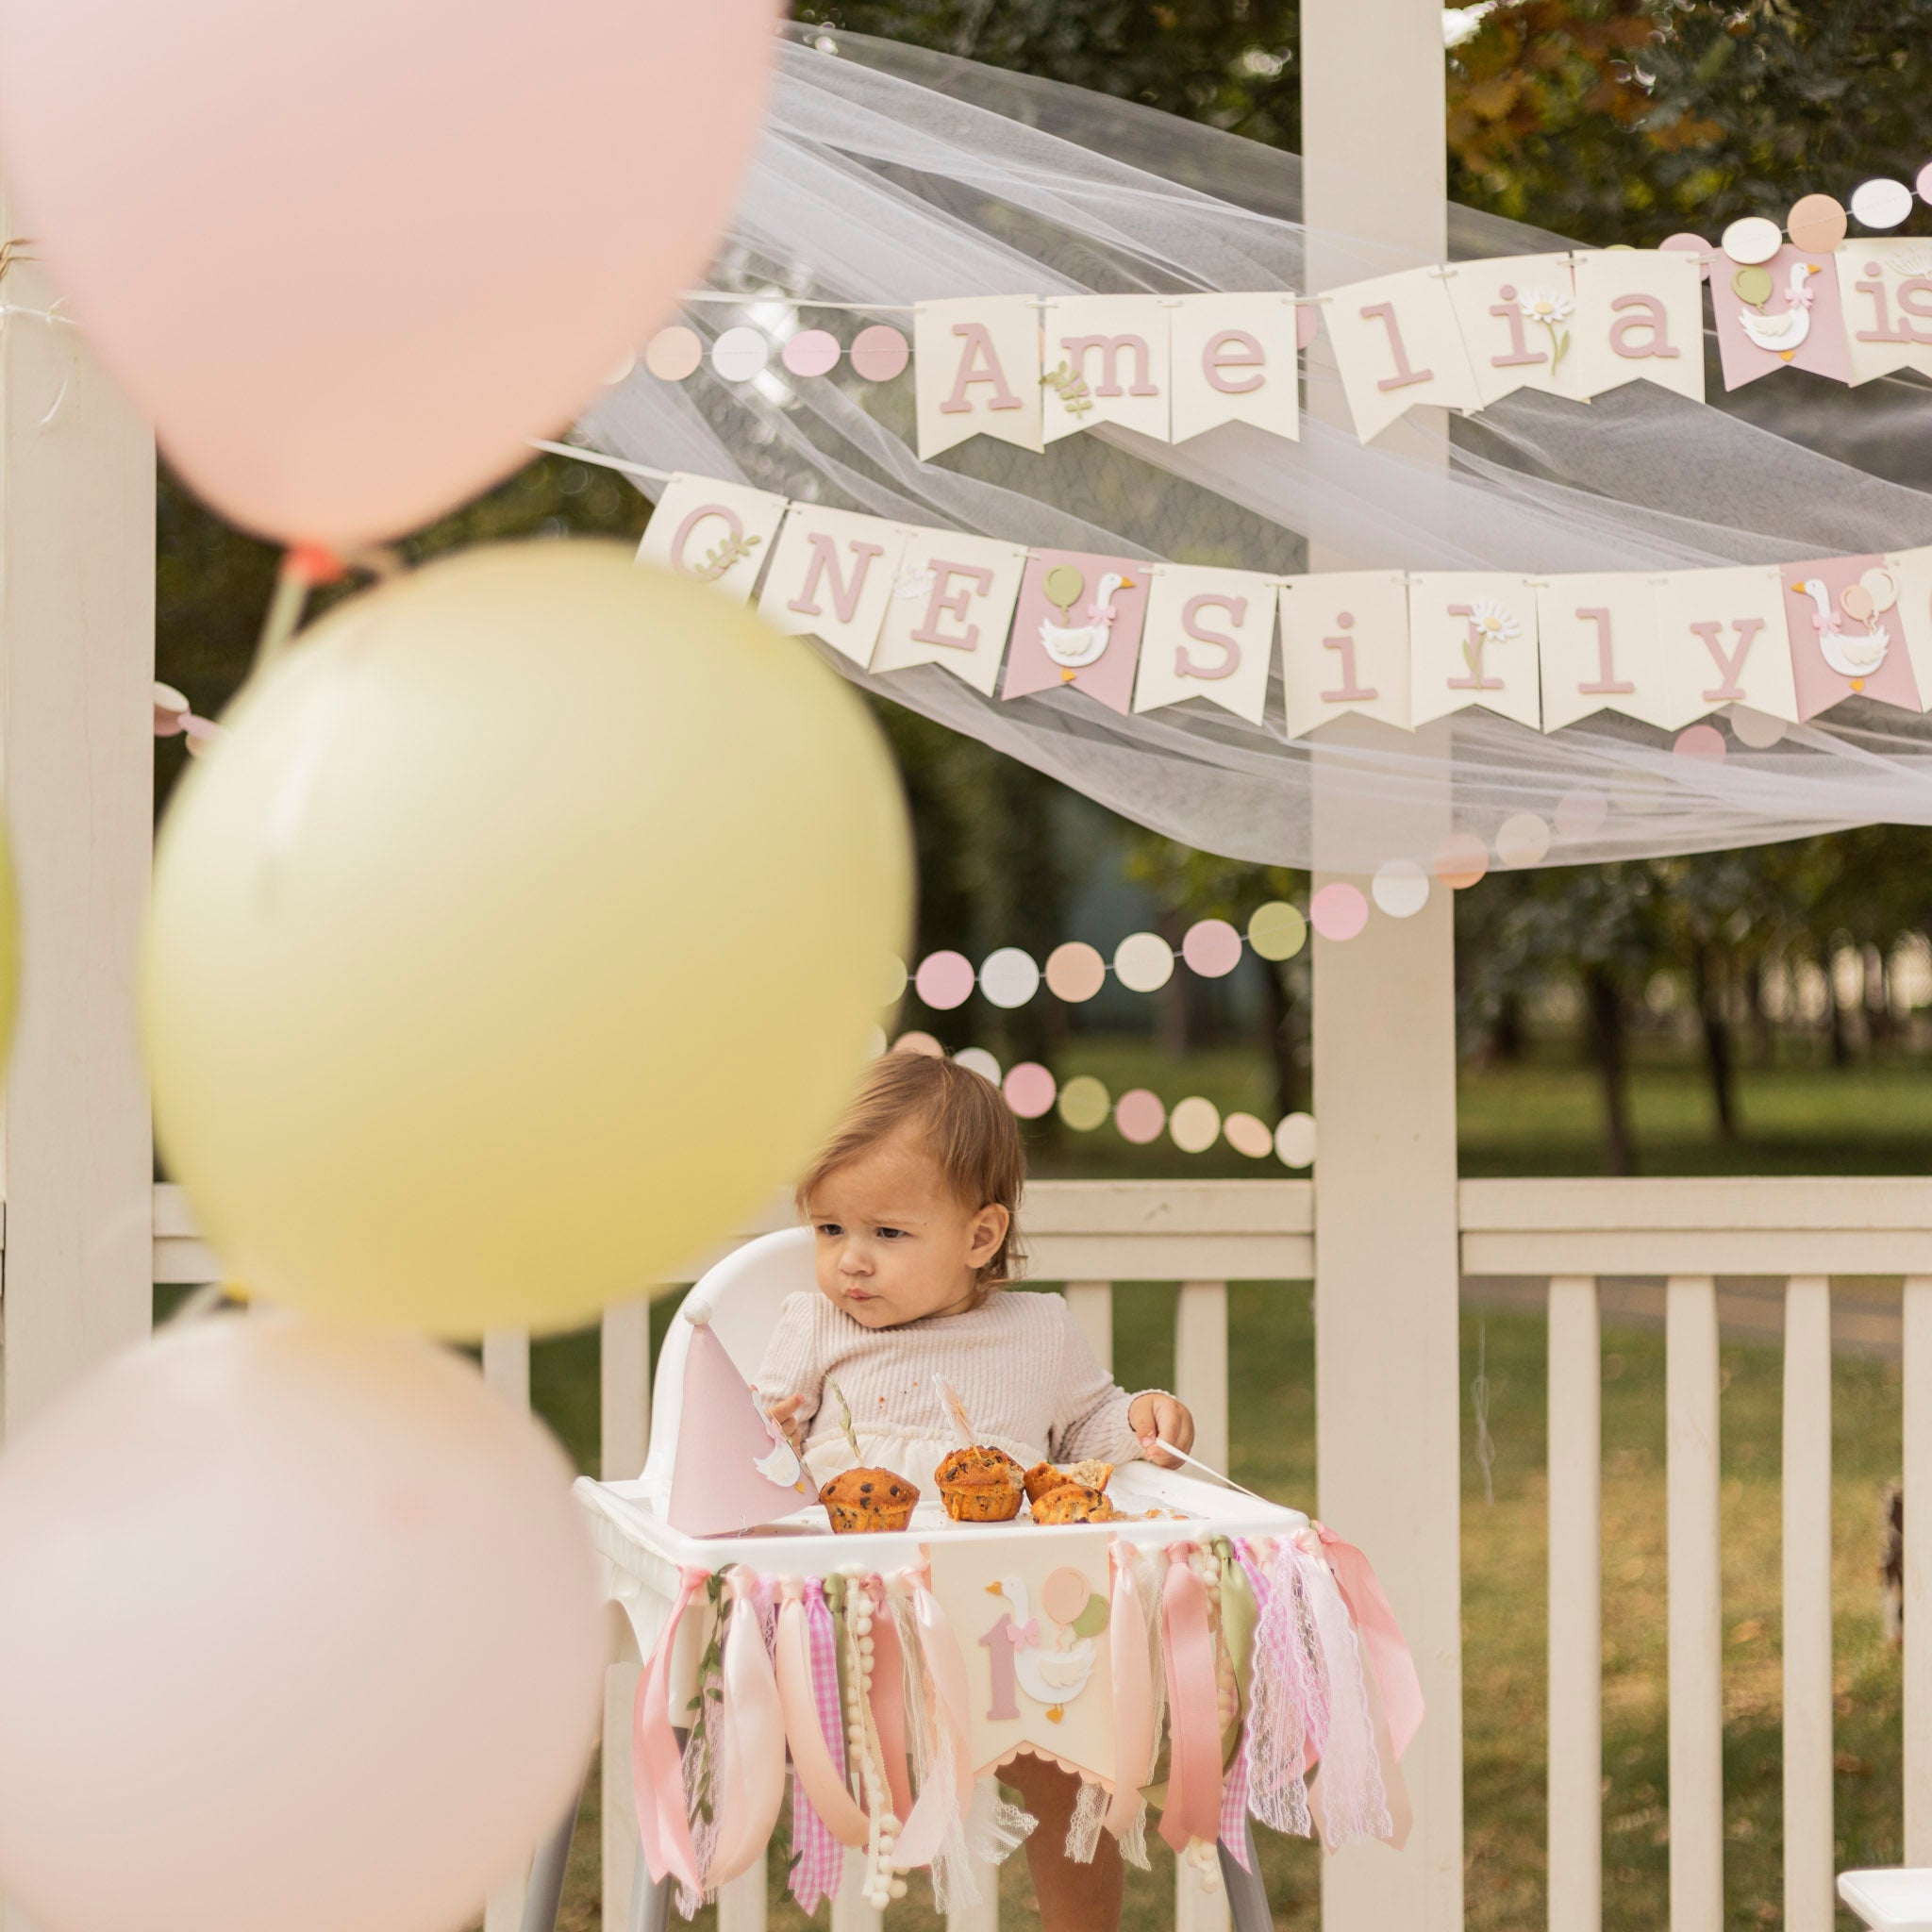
(952, 604)
(1235, 360)
(976, 371)
(1209, 633)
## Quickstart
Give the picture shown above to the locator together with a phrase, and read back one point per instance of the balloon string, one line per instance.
(304, 566)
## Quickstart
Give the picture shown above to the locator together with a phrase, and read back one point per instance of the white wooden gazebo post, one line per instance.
(1386, 1260)
(77, 766)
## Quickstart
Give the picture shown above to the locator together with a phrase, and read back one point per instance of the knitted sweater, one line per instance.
(1019, 1361)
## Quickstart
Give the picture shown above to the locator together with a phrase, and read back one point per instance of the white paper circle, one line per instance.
(1294, 1140)
(975, 1059)
(1400, 887)
(1195, 1125)
(1752, 239)
(1756, 730)
(1008, 978)
(1143, 962)
(739, 354)
(1881, 203)
(1523, 840)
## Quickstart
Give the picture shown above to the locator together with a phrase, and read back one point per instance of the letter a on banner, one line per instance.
(831, 578)
(1234, 360)
(952, 604)
(1640, 318)
(1397, 345)
(976, 371)
(1210, 634)
(719, 533)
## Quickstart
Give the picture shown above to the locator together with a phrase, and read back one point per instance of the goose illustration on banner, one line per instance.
(1078, 622)
(1843, 615)
(1783, 334)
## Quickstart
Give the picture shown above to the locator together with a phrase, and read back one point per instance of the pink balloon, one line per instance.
(1338, 911)
(348, 259)
(265, 1584)
(1212, 948)
(1064, 1594)
(1140, 1116)
(945, 980)
(1029, 1089)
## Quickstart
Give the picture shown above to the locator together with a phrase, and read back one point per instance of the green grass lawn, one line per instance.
(1537, 1117)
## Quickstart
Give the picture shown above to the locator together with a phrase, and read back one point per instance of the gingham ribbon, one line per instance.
(820, 1861)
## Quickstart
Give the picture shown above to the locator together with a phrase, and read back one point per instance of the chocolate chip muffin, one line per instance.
(859, 1500)
(980, 1485)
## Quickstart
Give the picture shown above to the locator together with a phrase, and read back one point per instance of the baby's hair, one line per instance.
(966, 1126)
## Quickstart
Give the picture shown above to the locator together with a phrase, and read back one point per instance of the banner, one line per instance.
(1517, 317)
(1597, 637)
(830, 577)
(1397, 343)
(1209, 633)
(976, 371)
(719, 533)
(1640, 318)
(1885, 286)
(1345, 648)
(1234, 359)
(1843, 613)
(1726, 641)
(952, 604)
(1781, 313)
(1078, 622)
(1472, 641)
(1104, 361)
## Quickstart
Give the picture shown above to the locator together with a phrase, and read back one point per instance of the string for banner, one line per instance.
(598, 459)
(774, 301)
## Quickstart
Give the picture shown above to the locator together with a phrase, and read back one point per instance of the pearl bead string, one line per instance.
(881, 1884)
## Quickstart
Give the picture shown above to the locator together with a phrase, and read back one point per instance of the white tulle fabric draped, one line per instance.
(890, 176)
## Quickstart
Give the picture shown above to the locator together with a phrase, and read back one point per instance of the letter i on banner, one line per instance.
(831, 578)
(1397, 345)
(719, 533)
(1725, 635)
(1598, 642)
(1517, 316)
(1235, 360)
(1345, 648)
(1472, 641)
(1640, 318)
(1886, 285)
(952, 604)
(1210, 634)
(976, 371)
(1106, 361)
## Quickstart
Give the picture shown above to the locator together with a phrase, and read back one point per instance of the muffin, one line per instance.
(859, 1500)
(1044, 1478)
(1073, 1503)
(980, 1485)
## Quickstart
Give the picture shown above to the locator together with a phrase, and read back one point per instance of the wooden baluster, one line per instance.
(1918, 1591)
(1696, 1605)
(1576, 1609)
(742, 1902)
(850, 1912)
(1200, 1365)
(1092, 1304)
(983, 1914)
(624, 1432)
(1811, 1900)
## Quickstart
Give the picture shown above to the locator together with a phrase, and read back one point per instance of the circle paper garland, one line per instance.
(1143, 962)
(1008, 978)
(1084, 1103)
(1074, 972)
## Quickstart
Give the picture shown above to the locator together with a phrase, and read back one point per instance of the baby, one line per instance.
(914, 1201)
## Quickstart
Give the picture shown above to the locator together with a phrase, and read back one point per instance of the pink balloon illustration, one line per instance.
(1856, 600)
(348, 259)
(1064, 1594)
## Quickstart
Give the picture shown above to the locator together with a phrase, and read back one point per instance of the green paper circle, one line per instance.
(1063, 584)
(1085, 1104)
(1277, 930)
(1752, 285)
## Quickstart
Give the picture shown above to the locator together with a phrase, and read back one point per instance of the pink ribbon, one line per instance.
(888, 1699)
(657, 1765)
(1133, 1695)
(1381, 1635)
(749, 1786)
(923, 1831)
(1194, 1778)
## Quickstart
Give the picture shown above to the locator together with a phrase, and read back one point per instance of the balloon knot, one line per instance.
(314, 563)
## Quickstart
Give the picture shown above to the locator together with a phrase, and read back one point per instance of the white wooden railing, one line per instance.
(1088, 1235)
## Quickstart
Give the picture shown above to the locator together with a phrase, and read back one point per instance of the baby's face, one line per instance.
(894, 1244)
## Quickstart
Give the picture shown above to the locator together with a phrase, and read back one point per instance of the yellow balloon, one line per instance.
(522, 934)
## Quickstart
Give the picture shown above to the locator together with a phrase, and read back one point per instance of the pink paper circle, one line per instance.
(1692, 244)
(1074, 972)
(811, 352)
(1029, 1089)
(1700, 741)
(1581, 814)
(1460, 860)
(673, 353)
(1064, 1594)
(1246, 1135)
(1212, 948)
(1816, 223)
(1140, 1116)
(1308, 321)
(944, 981)
(1338, 911)
(879, 353)
(920, 1042)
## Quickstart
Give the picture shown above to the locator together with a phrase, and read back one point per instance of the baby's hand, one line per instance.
(1158, 1413)
(785, 1414)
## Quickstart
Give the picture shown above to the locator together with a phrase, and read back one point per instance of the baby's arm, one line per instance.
(789, 1377)
(1094, 1416)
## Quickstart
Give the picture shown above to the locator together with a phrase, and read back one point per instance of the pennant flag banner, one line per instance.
(1406, 649)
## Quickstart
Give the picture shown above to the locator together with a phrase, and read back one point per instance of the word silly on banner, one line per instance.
(1783, 642)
